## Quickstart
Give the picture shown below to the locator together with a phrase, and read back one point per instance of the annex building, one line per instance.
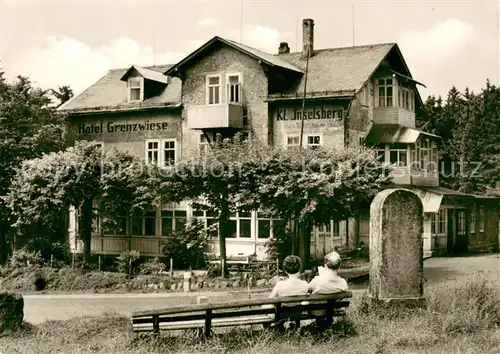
(354, 95)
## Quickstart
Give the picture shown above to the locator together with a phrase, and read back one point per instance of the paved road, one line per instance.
(39, 308)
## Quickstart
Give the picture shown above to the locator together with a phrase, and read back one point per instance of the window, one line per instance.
(434, 159)
(233, 88)
(481, 220)
(135, 89)
(152, 151)
(438, 223)
(209, 220)
(172, 220)
(406, 96)
(398, 154)
(143, 223)
(117, 227)
(267, 226)
(313, 141)
(425, 154)
(385, 92)
(203, 145)
(240, 225)
(331, 229)
(461, 222)
(166, 157)
(292, 141)
(472, 221)
(168, 152)
(213, 89)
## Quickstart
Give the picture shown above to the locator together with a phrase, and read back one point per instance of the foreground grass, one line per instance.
(461, 317)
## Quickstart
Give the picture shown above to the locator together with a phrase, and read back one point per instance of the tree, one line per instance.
(29, 127)
(45, 188)
(63, 94)
(469, 125)
(212, 181)
(312, 187)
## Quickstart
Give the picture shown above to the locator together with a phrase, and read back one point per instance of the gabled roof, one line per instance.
(146, 73)
(266, 58)
(393, 133)
(337, 69)
(110, 94)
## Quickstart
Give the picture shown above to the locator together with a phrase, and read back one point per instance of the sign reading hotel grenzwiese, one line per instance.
(131, 128)
(315, 112)
(120, 127)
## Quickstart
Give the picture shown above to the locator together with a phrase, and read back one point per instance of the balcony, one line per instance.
(394, 115)
(215, 116)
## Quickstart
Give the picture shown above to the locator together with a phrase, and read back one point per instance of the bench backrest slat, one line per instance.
(242, 303)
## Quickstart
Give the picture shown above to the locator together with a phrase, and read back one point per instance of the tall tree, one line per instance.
(29, 127)
(212, 181)
(81, 176)
(312, 187)
(63, 94)
(469, 125)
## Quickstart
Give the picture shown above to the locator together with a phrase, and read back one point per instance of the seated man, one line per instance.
(292, 286)
(327, 282)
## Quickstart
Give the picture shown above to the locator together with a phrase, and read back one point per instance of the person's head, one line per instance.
(292, 264)
(332, 260)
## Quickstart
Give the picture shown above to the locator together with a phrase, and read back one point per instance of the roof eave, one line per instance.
(115, 109)
(312, 95)
(174, 70)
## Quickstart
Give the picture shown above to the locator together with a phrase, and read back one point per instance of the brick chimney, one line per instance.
(284, 48)
(307, 37)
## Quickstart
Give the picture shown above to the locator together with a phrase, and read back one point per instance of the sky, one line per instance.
(70, 42)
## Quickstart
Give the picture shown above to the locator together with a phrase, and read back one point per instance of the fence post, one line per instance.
(99, 262)
(171, 268)
(250, 279)
(52, 260)
(73, 260)
(222, 264)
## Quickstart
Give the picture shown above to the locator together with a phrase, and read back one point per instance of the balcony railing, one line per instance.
(215, 116)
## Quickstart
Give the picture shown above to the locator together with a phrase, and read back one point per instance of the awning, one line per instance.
(430, 201)
(393, 133)
(407, 78)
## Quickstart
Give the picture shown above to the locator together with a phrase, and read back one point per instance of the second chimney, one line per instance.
(307, 37)
(284, 48)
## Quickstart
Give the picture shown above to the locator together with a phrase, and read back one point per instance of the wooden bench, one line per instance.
(240, 313)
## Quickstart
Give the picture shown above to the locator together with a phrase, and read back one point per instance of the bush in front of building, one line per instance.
(186, 246)
(128, 262)
(152, 267)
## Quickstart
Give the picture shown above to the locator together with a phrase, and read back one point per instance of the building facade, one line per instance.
(353, 95)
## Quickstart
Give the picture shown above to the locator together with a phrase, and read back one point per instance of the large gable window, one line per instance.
(385, 92)
(213, 89)
(135, 89)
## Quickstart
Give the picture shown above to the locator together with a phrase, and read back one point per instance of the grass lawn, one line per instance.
(461, 317)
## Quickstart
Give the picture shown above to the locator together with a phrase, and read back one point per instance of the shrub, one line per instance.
(128, 262)
(23, 257)
(152, 267)
(187, 245)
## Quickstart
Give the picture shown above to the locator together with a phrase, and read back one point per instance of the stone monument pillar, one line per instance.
(396, 248)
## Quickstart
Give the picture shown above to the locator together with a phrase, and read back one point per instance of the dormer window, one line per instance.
(135, 89)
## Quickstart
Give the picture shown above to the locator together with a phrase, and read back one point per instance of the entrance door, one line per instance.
(458, 238)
